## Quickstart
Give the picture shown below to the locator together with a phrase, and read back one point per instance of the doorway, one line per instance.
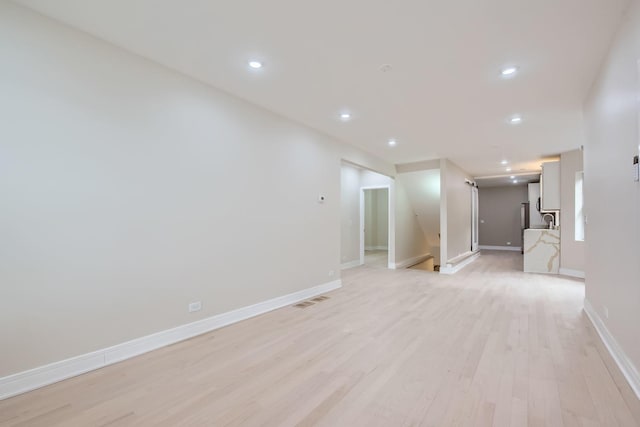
(375, 215)
(354, 180)
(474, 218)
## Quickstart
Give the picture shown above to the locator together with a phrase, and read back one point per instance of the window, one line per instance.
(579, 220)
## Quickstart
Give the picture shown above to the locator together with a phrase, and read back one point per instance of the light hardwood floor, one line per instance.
(376, 258)
(487, 346)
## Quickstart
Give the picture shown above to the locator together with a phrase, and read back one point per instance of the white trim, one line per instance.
(44, 375)
(573, 273)
(460, 257)
(376, 248)
(625, 365)
(350, 264)
(500, 248)
(474, 216)
(452, 269)
(406, 263)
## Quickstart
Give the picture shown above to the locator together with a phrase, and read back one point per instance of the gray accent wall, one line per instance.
(499, 215)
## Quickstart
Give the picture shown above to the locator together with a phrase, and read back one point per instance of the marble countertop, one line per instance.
(541, 250)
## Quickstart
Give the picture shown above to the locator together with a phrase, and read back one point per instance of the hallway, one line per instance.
(376, 258)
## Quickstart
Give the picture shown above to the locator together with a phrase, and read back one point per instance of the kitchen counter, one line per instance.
(541, 251)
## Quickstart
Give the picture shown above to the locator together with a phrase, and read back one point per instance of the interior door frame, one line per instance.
(474, 218)
(389, 225)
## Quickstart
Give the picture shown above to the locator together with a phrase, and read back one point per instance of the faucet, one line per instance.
(551, 222)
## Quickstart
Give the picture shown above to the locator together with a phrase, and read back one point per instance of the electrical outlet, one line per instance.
(195, 306)
(606, 311)
(331, 273)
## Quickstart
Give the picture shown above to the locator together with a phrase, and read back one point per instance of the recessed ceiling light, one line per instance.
(504, 162)
(512, 176)
(515, 181)
(515, 120)
(345, 116)
(392, 143)
(509, 71)
(508, 169)
(255, 64)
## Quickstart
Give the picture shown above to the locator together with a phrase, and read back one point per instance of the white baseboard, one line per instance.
(572, 273)
(350, 264)
(376, 248)
(625, 365)
(406, 263)
(454, 268)
(460, 257)
(44, 375)
(500, 248)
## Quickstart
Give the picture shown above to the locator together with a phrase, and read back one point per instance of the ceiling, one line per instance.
(444, 95)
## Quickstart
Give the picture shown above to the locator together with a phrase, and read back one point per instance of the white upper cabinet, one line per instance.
(550, 186)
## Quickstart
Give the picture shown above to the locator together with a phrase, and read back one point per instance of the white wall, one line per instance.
(410, 240)
(572, 253)
(129, 190)
(455, 211)
(612, 197)
(349, 213)
(370, 178)
(423, 191)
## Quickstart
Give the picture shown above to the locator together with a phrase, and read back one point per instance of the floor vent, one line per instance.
(304, 304)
